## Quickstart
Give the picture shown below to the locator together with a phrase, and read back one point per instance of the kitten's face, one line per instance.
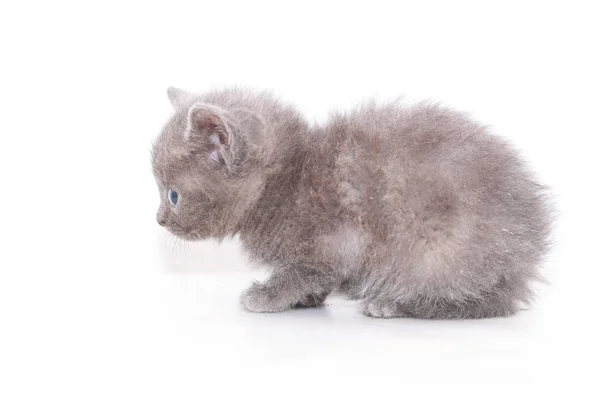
(201, 165)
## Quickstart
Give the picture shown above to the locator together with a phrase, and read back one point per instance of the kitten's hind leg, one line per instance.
(384, 309)
(486, 307)
(287, 288)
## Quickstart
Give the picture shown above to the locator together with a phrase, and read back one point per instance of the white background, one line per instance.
(97, 302)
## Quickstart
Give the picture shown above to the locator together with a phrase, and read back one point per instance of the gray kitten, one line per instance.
(416, 211)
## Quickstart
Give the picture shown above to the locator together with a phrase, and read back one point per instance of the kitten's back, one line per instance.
(430, 185)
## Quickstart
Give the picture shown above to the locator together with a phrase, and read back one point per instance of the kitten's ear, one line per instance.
(210, 130)
(178, 97)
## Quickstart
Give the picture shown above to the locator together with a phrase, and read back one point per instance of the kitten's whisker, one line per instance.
(186, 246)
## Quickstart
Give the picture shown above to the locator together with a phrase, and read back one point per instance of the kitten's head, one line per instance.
(207, 163)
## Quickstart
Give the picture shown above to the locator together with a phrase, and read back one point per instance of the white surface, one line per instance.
(96, 302)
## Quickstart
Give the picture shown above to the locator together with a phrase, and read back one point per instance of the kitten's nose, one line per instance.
(160, 219)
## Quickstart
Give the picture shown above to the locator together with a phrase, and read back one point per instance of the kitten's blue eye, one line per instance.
(173, 197)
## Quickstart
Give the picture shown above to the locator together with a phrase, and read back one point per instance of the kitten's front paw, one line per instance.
(260, 298)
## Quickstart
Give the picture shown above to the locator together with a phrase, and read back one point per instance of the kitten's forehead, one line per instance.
(168, 148)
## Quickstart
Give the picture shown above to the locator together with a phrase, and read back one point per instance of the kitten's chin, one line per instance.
(193, 237)
(190, 236)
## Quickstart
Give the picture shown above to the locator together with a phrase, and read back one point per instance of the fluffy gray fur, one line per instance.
(416, 210)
